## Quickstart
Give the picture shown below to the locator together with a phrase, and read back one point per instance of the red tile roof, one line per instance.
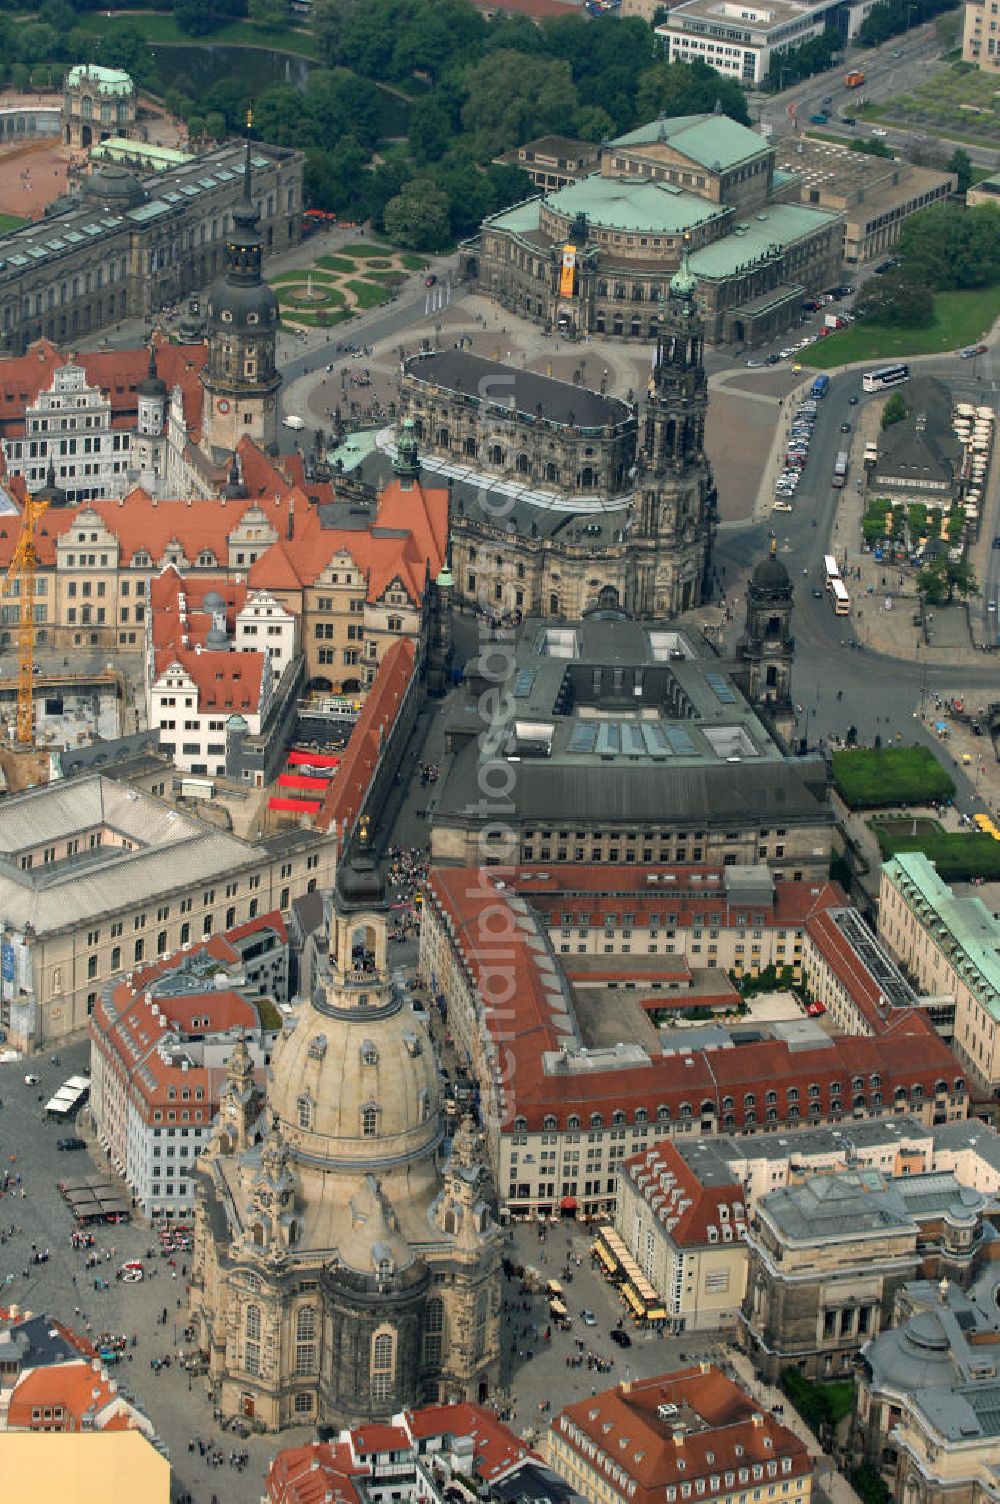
(497, 1449)
(314, 1474)
(715, 1428)
(117, 373)
(349, 787)
(529, 1025)
(678, 1199)
(80, 1389)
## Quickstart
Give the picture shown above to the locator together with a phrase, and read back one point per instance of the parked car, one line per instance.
(845, 427)
(65, 1145)
(31, 1080)
(622, 1338)
(588, 1318)
(853, 401)
(430, 279)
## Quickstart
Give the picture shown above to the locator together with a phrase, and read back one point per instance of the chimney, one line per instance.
(678, 1434)
(291, 517)
(757, 1420)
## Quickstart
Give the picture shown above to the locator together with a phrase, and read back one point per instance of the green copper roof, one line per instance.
(965, 923)
(520, 219)
(634, 204)
(777, 225)
(713, 141)
(105, 80)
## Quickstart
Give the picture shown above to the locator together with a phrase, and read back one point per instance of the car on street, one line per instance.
(827, 99)
(782, 506)
(622, 1338)
(588, 1318)
(968, 352)
(848, 120)
(991, 605)
(31, 1080)
(772, 359)
(65, 1145)
(755, 362)
(982, 349)
(853, 401)
(817, 593)
(845, 427)
(898, 52)
(430, 279)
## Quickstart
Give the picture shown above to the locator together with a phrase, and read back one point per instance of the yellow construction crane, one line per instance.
(22, 568)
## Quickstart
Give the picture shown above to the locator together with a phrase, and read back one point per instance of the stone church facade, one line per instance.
(345, 1265)
(560, 494)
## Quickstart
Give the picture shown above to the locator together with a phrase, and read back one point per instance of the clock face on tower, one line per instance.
(223, 405)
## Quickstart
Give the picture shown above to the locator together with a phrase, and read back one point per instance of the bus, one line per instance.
(831, 569)
(877, 381)
(820, 386)
(840, 469)
(841, 599)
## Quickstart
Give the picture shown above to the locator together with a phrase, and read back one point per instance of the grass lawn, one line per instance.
(337, 263)
(390, 279)
(413, 262)
(10, 222)
(332, 298)
(155, 27)
(364, 250)
(869, 779)
(303, 276)
(955, 104)
(958, 857)
(318, 321)
(368, 294)
(897, 827)
(960, 318)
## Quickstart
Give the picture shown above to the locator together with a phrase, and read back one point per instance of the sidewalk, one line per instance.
(833, 1484)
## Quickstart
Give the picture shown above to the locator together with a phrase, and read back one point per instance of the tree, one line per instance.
(960, 163)
(431, 129)
(269, 15)
(470, 196)
(899, 300)
(688, 89)
(592, 123)
(944, 578)
(511, 97)
(215, 126)
(948, 247)
(895, 410)
(418, 216)
(871, 146)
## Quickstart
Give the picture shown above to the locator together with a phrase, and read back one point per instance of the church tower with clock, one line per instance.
(241, 378)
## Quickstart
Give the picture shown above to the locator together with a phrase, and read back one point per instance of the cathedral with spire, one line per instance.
(346, 1262)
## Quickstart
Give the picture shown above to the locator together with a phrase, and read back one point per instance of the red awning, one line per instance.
(294, 806)
(302, 781)
(568, 1204)
(298, 759)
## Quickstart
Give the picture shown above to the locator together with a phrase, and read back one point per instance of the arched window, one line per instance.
(749, 1100)
(382, 1366)
(496, 454)
(549, 1123)
(727, 1104)
(572, 1121)
(305, 1107)
(434, 1332)
(251, 1355)
(551, 472)
(596, 1121)
(663, 1113)
(369, 1120)
(523, 464)
(618, 1118)
(369, 1053)
(641, 1115)
(520, 1124)
(305, 1341)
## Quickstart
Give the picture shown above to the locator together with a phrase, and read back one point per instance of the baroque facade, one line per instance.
(124, 248)
(595, 256)
(559, 500)
(343, 1265)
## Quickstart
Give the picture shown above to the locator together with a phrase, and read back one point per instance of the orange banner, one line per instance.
(568, 273)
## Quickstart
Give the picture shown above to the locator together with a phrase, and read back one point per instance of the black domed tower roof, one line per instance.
(770, 573)
(152, 384)
(240, 296)
(359, 882)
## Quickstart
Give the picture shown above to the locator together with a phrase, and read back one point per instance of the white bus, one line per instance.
(831, 569)
(877, 381)
(841, 599)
